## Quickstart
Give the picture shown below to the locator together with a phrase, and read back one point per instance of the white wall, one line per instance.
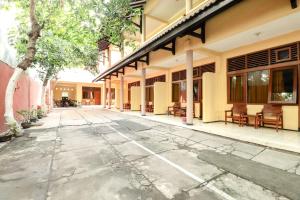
(7, 52)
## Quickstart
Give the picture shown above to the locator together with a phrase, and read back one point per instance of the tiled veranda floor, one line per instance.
(283, 139)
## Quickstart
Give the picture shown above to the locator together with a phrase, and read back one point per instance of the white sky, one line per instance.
(75, 75)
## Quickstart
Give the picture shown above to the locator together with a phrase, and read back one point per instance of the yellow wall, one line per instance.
(160, 98)
(135, 98)
(215, 86)
(209, 101)
(218, 28)
(76, 93)
(57, 93)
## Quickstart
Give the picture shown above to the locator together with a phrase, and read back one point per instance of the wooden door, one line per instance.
(97, 96)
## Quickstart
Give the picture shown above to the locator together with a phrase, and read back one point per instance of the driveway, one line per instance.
(90, 153)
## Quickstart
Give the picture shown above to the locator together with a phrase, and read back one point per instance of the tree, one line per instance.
(26, 61)
(117, 21)
(68, 32)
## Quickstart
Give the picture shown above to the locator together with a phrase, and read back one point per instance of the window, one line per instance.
(65, 94)
(196, 93)
(283, 85)
(175, 92)
(183, 91)
(179, 92)
(236, 89)
(257, 87)
(149, 94)
(283, 54)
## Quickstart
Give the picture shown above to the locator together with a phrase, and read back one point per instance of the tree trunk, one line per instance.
(22, 66)
(43, 102)
(9, 99)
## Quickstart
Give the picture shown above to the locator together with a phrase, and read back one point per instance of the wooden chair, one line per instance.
(238, 113)
(174, 108)
(270, 115)
(126, 106)
(149, 107)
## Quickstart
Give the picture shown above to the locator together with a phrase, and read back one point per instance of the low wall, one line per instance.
(27, 92)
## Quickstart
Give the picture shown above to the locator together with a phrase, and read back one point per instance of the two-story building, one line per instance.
(208, 55)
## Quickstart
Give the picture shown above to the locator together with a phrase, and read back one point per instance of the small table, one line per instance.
(253, 118)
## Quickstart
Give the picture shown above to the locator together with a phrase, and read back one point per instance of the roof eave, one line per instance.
(179, 29)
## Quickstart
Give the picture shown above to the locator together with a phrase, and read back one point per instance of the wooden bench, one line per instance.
(270, 115)
(172, 110)
(238, 113)
(126, 106)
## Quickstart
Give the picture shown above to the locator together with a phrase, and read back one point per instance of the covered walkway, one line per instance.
(283, 139)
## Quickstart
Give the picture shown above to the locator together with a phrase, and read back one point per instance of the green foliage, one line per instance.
(117, 20)
(26, 115)
(71, 30)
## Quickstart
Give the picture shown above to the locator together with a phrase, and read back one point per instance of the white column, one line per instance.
(188, 6)
(122, 93)
(104, 93)
(109, 94)
(143, 92)
(143, 34)
(189, 87)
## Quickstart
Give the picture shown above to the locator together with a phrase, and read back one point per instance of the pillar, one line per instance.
(188, 6)
(143, 34)
(109, 94)
(143, 92)
(122, 93)
(189, 87)
(104, 94)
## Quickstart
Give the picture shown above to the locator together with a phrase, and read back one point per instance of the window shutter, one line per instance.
(258, 59)
(207, 68)
(237, 63)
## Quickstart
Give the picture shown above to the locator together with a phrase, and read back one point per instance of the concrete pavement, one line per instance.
(98, 154)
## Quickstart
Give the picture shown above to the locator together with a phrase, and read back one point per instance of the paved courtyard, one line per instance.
(89, 154)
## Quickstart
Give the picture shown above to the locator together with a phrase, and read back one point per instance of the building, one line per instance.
(209, 54)
(74, 87)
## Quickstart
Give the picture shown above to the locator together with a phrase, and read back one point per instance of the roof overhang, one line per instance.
(183, 27)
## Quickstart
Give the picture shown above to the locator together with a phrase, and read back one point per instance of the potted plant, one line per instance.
(5, 136)
(26, 115)
(33, 115)
(39, 112)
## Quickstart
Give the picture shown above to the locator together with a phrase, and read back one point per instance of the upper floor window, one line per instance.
(283, 54)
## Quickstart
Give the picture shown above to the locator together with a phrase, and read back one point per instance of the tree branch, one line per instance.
(33, 35)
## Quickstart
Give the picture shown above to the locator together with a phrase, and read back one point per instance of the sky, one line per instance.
(75, 75)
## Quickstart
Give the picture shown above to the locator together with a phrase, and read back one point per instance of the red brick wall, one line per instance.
(27, 92)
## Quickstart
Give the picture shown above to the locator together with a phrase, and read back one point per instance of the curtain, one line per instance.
(257, 83)
(175, 92)
(282, 85)
(236, 89)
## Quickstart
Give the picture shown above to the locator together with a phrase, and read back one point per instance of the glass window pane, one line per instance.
(283, 85)
(283, 54)
(257, 84)
(175, 92)
(236, 89)
(196, 90)
(183, 91)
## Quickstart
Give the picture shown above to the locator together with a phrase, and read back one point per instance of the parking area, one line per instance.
(93, 153)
